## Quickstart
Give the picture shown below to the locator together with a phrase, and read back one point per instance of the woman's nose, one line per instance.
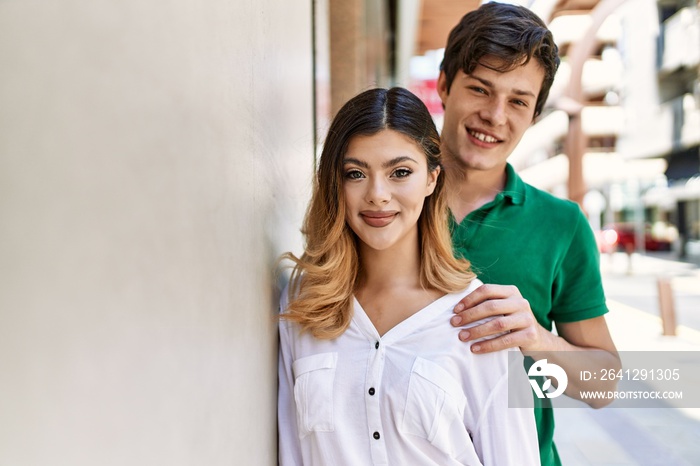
(378, 192)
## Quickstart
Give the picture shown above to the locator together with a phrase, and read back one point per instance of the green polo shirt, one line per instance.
(544, 246)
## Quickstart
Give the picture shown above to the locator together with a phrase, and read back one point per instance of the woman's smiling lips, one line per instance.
(378, 219)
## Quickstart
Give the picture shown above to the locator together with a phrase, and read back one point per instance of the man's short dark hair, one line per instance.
(510, 33)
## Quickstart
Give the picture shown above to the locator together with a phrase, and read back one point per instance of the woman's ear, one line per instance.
(432, 181)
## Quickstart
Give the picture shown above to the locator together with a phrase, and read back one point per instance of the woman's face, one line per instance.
(385, 180)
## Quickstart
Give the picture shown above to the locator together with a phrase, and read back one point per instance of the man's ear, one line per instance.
(442, 89)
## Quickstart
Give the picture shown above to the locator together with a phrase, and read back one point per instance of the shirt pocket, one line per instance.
(313, 392)
(435, 405)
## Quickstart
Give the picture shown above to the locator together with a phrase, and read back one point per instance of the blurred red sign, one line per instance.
(426, 90)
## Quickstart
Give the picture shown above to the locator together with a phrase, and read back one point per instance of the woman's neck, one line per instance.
(398, 266)
(389, 287)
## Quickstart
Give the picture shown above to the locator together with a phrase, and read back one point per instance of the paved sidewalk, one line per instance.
(638, 436)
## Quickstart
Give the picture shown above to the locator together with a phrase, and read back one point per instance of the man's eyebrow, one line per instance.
(387, 164)
(488, 83)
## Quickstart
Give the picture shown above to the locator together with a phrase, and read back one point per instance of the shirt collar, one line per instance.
(514, 189)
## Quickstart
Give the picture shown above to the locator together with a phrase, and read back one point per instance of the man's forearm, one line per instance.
(577, 360)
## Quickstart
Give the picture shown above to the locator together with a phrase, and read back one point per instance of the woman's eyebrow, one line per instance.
(387, 164)
(398, 160)
(355, 162)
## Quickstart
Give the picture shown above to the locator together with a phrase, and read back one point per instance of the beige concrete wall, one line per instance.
(154, 159)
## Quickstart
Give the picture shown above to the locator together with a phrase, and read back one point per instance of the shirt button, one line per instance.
(371, 391)
(376, 345)
(376, 435)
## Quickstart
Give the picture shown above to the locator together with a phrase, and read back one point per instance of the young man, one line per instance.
(536, 253)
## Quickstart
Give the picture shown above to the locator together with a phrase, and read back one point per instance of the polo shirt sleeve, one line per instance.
(577, 292)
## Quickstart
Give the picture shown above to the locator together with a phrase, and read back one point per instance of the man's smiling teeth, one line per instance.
(482, 137)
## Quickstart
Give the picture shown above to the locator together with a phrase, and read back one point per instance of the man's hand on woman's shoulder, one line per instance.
(511, 317)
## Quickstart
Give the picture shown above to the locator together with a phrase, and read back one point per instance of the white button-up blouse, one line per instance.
(414, 396)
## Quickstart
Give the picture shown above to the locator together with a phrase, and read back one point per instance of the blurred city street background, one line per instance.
(157, 157)
(639, 436)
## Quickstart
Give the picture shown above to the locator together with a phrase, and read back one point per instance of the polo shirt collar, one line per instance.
(514, 189)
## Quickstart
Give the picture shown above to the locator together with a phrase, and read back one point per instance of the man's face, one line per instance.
(487, 113)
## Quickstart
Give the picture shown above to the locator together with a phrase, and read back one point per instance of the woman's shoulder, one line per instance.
(447, 302)
(284, 298)
(473, 285)
(286, 295)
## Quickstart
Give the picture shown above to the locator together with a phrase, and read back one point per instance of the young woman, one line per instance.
(371, 371)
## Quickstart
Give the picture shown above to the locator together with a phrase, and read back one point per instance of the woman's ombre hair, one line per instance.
(324, 277)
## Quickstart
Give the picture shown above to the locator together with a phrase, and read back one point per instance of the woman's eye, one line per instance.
(354, 174)
(402, 172)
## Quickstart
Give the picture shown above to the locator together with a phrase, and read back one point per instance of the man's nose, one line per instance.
(495, 112)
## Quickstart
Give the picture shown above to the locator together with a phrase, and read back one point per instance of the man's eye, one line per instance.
(478, 89)
(402, 172)
(354, 175)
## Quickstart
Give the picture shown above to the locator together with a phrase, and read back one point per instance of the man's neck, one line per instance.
(469, 190)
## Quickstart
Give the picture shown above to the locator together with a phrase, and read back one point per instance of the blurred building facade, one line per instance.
(678, 65)
(640, 115)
